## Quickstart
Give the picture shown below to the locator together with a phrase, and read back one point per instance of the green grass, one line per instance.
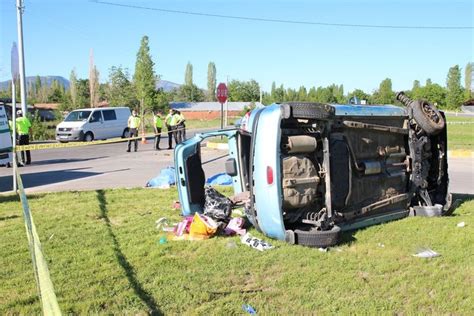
(104, 257)
(460, 136)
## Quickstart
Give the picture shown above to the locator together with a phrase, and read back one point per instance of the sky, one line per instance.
(59, 35)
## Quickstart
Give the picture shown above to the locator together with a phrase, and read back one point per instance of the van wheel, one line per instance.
(428, 117)
(318, 238)
(125, 133)
(88, 137)
(311, 110)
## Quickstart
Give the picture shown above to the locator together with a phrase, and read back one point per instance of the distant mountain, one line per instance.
(45, 80)
(167, 86)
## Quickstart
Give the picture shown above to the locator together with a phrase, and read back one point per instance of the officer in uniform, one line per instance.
(169, 128)
(158, 125)
(133, 125)
(181, 126)
(23, 129)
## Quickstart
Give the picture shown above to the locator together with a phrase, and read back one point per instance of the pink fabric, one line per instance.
(183, 227)
(235, 227)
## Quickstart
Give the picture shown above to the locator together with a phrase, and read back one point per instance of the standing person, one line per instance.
(175, 127)
(23, 128)
(158, 125)
(169, 128)
(133, 125)
(181, 126)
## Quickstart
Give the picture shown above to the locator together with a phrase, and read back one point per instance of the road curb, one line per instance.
(221, 146)
(459, 153)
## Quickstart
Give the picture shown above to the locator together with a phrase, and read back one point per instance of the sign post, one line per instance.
(15, 75)
(221, 94)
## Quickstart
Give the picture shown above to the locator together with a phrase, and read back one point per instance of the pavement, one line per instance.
(110, 166)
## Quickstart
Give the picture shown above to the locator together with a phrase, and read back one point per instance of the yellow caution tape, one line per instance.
(43, 280)
(80, 144)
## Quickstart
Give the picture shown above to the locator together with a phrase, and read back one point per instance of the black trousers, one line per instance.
(25, 140)
(170, 136)
(176, 134)
(157, 138)
(133, 132)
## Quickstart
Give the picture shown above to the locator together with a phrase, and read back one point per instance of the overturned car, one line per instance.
(312, 170)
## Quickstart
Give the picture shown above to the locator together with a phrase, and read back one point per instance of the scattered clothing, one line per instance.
(165, 179)
(219, 179)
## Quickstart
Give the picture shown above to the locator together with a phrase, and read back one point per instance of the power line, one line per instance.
(248, 18)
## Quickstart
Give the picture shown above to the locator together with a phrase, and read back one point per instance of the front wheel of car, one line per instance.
(428, 117)
(88, 137)
(317, 238)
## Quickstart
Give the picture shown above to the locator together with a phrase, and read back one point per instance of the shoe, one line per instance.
(170, 147)
(28, 162)
(135, 150)
(128, 150)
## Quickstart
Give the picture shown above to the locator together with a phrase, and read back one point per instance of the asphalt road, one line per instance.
(110, 166)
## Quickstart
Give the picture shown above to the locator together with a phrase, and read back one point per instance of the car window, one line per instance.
(109, 115)
(96, 117)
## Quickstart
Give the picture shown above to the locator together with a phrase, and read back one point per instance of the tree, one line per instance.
(93, 82)
(384, 95)
(302, 94)
(188, 76)
(433, 93)
(189, 93)
(245, 91)
(454, 95)
(144, 77)
(428, 82)
(359, 94)
(73, 88)
(211, 81)
(83, 93)
(468, 81)
(120, 90)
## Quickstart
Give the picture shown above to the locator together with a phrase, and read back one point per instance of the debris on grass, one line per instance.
(323, 249)
(381, 245)
(249, 309)
(426, 253)
(255, 242)
(461, 224)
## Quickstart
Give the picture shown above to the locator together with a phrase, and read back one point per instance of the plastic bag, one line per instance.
(216, 205)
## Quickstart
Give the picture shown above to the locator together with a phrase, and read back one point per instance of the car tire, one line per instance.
(428, 117)
(125, 133)
(318, 238)
(312, 111)
(88, 137)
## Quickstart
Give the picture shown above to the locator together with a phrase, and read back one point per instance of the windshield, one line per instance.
(77, 116)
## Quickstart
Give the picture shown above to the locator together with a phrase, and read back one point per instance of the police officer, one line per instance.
(169, 128)
(158, 124)
(133, 125)
(23, 129)
(181, 126)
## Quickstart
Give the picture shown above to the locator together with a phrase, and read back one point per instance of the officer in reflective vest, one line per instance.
(181, 127)
(133, 125)
(158, 125)
(169, 128)
(23, 129)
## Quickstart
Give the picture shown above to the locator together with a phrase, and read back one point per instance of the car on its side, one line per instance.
(313, 170)
(93, 123)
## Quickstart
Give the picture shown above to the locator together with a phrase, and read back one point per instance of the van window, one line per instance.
(96, 116)
(109, 115)
(75, 116)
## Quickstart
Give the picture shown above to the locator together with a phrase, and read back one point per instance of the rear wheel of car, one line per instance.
(125, 133)
(428, 117)
(311, 111)
(88, 137)
(318, 238)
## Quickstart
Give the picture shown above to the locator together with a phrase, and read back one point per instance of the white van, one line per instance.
(93, 123)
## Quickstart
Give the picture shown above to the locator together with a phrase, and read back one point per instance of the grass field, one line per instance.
(460, 133)
(104, 257)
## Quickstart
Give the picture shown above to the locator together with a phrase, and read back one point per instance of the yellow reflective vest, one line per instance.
(23, 125)
(158, 122)
(133, 122)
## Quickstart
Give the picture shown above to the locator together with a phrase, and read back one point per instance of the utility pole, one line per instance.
(20, 8)
(226, 104)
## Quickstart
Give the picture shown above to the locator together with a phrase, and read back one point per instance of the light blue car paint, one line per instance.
(268, 201)
(369, 110)
(188, 148)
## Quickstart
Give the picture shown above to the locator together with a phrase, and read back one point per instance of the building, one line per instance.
(211, 110)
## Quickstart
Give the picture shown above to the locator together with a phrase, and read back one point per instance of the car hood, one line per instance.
(71, 124)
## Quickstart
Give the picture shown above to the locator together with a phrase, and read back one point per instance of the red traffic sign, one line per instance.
(221, 92)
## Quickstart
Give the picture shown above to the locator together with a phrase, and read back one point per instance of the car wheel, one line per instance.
(318, 238)
(88, 137)
(428, 117)
(311, 111)
(125, 133)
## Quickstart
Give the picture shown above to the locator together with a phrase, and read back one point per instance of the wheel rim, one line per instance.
(88, 137)
(430, 112)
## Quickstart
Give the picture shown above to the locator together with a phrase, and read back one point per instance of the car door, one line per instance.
(96, 125)
(111, 126)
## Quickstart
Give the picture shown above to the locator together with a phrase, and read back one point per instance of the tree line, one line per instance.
(139, 90)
